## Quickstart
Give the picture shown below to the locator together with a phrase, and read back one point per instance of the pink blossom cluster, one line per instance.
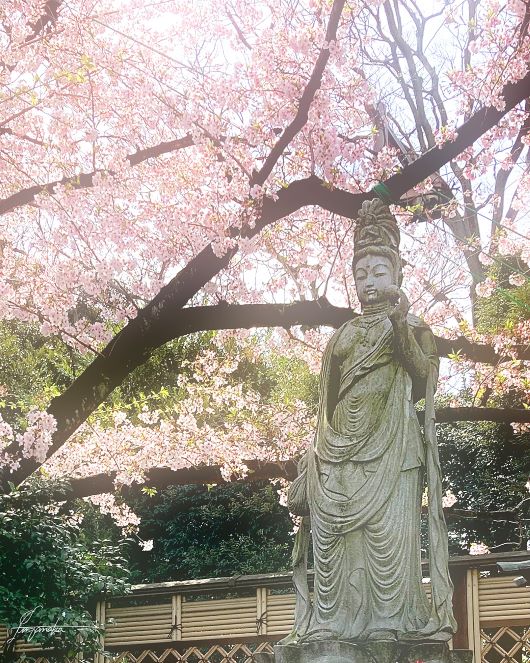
(37, 437)
(219, 421)
(520, 428)
(478, 549)
(33, 442)
(486, 288)
(120, 513)
(449, 499)
(444, 134)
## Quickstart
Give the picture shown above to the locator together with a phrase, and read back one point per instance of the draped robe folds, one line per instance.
(364, 480)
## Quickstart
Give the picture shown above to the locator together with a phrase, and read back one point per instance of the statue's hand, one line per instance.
(399, 313)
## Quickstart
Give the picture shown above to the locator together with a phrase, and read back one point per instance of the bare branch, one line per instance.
(504, 173)
(240, 34)
(473, 514)
(481, 122)
(420, 117)
(306, 100)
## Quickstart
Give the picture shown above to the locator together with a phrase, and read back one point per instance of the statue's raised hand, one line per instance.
(398, 315)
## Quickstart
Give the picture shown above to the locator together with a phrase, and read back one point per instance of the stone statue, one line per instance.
(360, 485)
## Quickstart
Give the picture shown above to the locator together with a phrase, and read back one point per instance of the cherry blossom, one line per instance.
(147, 545)
(449, 499)
(155, 130)
(478, 549)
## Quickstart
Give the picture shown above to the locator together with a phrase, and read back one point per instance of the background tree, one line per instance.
(209, 532)
(486, 467)
(50, 574)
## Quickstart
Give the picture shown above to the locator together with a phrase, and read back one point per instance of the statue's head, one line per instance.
(376, 261)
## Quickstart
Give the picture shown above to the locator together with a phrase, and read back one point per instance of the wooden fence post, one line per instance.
(176, 617)
(261, 610)
(473, 616)
(460, 607)
(100, 620)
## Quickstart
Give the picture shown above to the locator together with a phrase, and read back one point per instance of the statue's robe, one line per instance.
(363, 484)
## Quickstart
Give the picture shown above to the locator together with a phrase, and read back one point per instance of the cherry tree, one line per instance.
(169, 169)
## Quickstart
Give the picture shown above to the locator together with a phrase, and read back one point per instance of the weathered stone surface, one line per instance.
(337, 651)
(461, 656)
(263, 657)
(427, 652)
(322, 651)
(383, 651)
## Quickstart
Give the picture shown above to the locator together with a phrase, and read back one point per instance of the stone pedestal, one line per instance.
(337, 651)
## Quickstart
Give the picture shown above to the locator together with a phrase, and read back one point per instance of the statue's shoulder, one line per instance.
(340, 335)
(348, 325)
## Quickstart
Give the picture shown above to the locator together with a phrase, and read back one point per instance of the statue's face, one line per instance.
(374, 276)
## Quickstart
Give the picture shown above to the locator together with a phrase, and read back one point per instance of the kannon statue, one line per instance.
(360, 484)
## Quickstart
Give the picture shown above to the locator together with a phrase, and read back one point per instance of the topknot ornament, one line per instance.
(376, 229)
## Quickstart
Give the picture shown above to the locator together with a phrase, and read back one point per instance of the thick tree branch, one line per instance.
(86, 180)
(311, 314)
(134, 343)
(27, 196)
(161, 477)
(448, 415)
(50, 13)
(478, 352)
(162, 148)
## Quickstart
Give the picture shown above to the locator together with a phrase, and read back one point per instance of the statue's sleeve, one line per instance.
(426, 341)
(329, 379)
(332, 386)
